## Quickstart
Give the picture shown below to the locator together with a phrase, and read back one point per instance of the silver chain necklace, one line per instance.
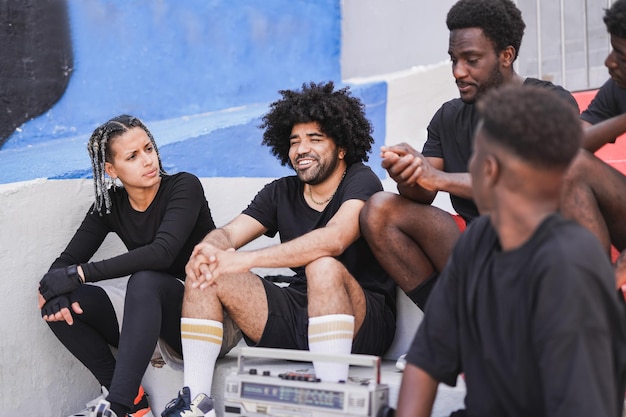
(321, 203)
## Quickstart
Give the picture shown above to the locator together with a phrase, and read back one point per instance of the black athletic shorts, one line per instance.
(288, 322)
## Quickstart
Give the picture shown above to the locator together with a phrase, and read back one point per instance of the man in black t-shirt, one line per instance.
(595, 193)
(526, 307)
(411, 238)
(340, 299)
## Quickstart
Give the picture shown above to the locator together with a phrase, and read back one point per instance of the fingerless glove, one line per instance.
(55, 305)
(59, 281)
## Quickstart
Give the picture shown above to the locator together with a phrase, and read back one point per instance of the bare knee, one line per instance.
(580, 168)
(375, 214)
(332, 290)
(325, 273)
(201, 303)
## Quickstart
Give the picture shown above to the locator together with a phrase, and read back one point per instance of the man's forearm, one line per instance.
(416, 193)
(300, 251)
(220, 238)
(596, 136)
(456, 183)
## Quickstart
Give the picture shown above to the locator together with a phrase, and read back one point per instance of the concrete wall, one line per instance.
(385, 36)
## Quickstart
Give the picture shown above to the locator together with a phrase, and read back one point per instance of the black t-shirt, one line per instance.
(451, 137)
(538, 331)
(280, 207)
(610, 101)
(161, 238)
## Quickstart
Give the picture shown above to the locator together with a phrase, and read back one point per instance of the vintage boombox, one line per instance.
(256, 391)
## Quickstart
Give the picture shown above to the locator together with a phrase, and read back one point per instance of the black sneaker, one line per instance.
(182, 406)
(141, 407)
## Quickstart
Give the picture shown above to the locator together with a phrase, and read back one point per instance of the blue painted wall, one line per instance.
(178, 66)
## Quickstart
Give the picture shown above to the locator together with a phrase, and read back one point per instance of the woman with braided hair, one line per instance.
(159, 218)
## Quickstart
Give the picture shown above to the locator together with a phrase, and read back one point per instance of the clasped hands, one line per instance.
(408, 167)
(208, 263)
(53, 294)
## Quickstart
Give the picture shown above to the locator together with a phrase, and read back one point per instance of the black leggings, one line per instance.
(151, 310)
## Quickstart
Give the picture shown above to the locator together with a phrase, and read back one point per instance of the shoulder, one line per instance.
(571, 250)
(454, 114)
(288, 182)
(361, 176)
(609, 101)
(611, 88)
(557, 89)
(182, 177)
(611, 95)
(279, 186)
(182, 182)
(453, 106)
(361, 171)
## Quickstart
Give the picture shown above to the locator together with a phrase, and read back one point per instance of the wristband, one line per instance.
(59, 281)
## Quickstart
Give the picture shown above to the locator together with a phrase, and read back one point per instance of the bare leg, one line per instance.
(336, 309)
(594, 195)
(332, 290)
(241, 296)
(409, 239)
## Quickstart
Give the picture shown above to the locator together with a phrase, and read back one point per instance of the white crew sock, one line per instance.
(201, 340)
(331, 334)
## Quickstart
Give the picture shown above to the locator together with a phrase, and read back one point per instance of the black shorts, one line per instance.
(288, 322)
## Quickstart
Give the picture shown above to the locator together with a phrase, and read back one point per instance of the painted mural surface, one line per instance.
(199, 73)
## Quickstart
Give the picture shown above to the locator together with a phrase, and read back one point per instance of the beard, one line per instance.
(495, 79)
(321, 172)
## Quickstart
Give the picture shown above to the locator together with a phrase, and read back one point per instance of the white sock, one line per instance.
(202, 340)
(331, 334)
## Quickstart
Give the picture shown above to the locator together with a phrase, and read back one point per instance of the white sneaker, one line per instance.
(91, 405)
(401, 362)
(103, 410)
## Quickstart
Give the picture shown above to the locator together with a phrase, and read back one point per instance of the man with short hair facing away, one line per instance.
(526, 307)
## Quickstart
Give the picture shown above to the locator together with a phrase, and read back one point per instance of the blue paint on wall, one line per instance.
(220, 144)
(235, 151)
(199, 73)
